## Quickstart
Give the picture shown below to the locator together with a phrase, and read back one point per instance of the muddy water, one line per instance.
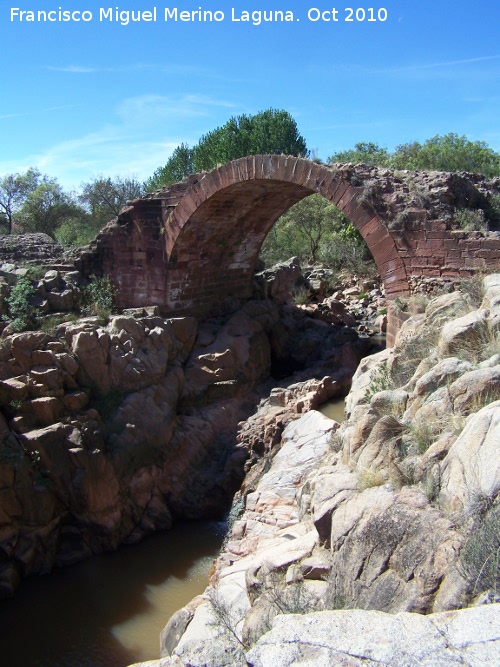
(334, 409)
(108, 611)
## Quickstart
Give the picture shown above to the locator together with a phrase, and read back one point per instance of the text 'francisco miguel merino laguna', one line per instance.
(256, 17)
(124, 17)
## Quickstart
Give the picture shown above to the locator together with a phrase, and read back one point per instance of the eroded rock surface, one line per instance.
(360, 543)
(110, 431)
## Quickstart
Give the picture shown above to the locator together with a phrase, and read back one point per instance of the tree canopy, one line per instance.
(35, 202)
(449, 152)
(14, 189)
(270, 131)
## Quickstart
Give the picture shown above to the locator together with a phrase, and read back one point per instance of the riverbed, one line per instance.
(108, 611)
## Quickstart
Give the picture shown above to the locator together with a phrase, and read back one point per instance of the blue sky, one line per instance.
(89, 98)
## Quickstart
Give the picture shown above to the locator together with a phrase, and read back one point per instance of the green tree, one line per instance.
(46, 208)
(179, 165)
(362, 153)
(270, 131)
(450, 152)
(14, 189)
(304, 231)
(104, 197)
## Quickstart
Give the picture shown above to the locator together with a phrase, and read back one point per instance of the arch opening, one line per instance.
(215, 233)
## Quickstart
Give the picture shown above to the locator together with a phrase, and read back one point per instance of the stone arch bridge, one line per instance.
(192, 247)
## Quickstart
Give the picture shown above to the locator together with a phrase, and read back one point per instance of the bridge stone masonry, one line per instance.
(192, 248)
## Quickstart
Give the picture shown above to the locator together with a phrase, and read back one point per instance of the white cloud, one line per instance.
(147, 109)
(147, 129)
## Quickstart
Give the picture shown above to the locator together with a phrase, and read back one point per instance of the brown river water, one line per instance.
(108, 611)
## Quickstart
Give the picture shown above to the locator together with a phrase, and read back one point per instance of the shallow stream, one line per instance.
(108, 611)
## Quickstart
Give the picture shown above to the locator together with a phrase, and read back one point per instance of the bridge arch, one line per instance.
(191, 248)
(214, 234)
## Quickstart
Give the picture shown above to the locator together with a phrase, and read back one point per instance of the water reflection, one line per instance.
(108, 611)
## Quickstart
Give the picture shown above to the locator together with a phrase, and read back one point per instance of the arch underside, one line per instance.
(214, 256)
(215, 234)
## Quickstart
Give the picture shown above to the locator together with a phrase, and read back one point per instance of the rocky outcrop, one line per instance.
(108, 431)
(388, 522)
(368, 638)
(30, 248)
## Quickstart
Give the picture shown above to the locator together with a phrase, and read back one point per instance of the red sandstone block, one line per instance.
(278, 163)
(492, 244)
(251, 167)
(302, 171)
(210, 184)
(290, 169)
(431, 271)
(385, 253)
(436, 236)
(424, 252)
(316, 175)
(347, 196)
(375, 235)
(329, 185)
(454, 254)
(226, 176)
(340, 187)
(373, 224)
(259, 168)
(418, 263)
(361, 217)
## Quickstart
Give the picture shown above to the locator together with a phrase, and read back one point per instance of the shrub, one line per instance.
(98, 297)
(301, 296)
(494, 210)
(473, 289)
(380, 380)
(369, 477)
(424, 432)
(480, 555)
(470, 220)
(21, 309)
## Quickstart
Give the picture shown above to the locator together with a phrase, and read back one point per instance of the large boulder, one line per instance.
(471, 470)
(359, 638)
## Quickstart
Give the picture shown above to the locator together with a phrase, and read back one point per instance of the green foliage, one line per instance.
(14, 189)
(480, 555)
(77, 231)
(104, 197)
(449, 152)
(49, 323)
(179, 165)
(270, 131)
(470, 220)
(494, 210)
(424, 432)
(473, 289)
(22, 313)
(316, 231)
(370, 477)
(380, 380)
(301, 296)
(46, 208)
(98, 297)
(362, 153)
